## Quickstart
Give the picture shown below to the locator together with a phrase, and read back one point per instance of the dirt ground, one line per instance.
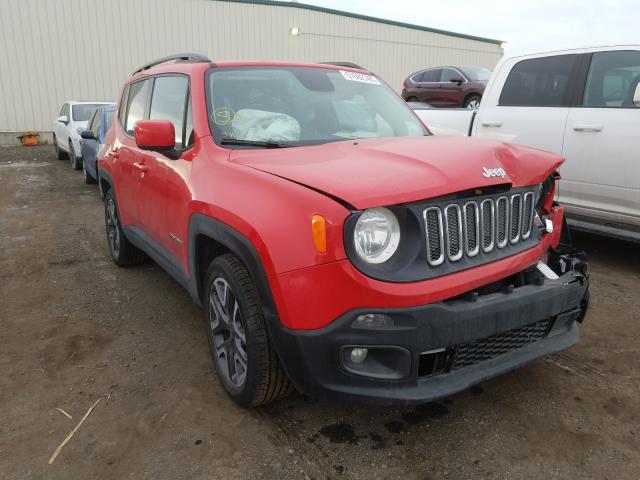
(74, 328)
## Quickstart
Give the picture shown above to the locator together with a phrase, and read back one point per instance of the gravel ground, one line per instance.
(76, 328)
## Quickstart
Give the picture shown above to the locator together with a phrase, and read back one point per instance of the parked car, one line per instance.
(362, 258)
(66, 130)
(92, 143)
(582, 104)
(461, 86)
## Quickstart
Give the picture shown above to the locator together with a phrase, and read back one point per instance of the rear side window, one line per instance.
(136, 103)
(169, 102)
(612, 79)
(432, 75)
(122, 108)
(539, 82)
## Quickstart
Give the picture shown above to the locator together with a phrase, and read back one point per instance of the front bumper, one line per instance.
(435, 350)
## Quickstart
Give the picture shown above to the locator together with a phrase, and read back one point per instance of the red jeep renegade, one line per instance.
(335, 245)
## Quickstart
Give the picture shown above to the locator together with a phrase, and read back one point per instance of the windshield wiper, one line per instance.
(253, 143)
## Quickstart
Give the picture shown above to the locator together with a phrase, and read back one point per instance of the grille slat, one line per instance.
(496, 345)
(458, 229)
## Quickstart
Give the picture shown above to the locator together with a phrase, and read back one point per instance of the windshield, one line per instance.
(83, 111)
(476, 74)
(303, 106)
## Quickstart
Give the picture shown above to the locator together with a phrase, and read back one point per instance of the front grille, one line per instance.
(491, 347)
(464, 227)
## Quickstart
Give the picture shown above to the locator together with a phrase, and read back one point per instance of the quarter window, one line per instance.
(539, 82)
(137, 102)
(169, 101)
(612, 80)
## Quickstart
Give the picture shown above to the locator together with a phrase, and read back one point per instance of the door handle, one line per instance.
(588, 128)
(491, 124)
(140, 166)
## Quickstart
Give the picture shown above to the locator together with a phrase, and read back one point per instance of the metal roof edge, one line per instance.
(315, 8)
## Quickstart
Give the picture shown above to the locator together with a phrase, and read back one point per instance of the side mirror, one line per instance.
(636, 96)
(88, 135)
(63, 119)
(457, 80)
(158, 135)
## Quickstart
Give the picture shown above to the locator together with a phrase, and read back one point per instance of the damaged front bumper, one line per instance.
(419, 354)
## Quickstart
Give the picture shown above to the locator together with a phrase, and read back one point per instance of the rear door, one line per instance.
(601, 175)
(532, 106)
(429, 87)
(127, 152)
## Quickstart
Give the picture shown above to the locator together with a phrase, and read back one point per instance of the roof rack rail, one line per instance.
(183, 57)
(344, 64)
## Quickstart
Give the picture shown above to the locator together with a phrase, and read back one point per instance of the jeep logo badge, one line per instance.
(493, 172)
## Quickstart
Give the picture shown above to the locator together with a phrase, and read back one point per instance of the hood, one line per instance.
(377, 172)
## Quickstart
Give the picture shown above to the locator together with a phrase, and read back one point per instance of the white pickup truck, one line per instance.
(582, 104)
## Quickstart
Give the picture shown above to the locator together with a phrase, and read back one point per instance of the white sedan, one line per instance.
(66, 130)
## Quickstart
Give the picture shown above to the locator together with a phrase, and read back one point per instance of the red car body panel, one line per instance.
(269, 196)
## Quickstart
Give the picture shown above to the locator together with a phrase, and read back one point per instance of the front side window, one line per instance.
(612, 79)
(95, 124)
(108, 119)
(168, 102)
(136, 103)
(448, 74)
(476, 74)
(539, 82)
(82, 111)
(304, 106)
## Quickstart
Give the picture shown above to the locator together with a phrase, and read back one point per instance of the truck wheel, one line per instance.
(123, 252)
(472, 101)
(412, 99)
(246, 362)
(60, 155)
(73, 159)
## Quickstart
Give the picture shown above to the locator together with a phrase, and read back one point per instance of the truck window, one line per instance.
(539, 82)
(612, 79)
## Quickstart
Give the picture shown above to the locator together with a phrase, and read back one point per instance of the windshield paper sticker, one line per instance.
(360, 77)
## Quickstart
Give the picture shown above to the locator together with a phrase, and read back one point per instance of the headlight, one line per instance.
(377, 235)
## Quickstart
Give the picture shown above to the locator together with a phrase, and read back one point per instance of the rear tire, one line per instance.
(243, 354)
(73, 159)
(60, 155)
(123, 252)
(472, 101)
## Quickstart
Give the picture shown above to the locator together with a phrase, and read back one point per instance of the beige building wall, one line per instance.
(57, 50)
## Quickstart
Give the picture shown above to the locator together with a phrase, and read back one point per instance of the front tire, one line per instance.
(412, 99)
(243, 354)
(123, 252)
(73, 159)
(472, 101)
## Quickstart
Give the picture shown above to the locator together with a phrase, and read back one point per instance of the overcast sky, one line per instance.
(533, 25)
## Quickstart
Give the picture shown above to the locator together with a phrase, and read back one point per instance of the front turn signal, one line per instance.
(319, 233)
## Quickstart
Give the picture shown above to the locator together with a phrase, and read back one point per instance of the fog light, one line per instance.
(369, 320)
(359, 355)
